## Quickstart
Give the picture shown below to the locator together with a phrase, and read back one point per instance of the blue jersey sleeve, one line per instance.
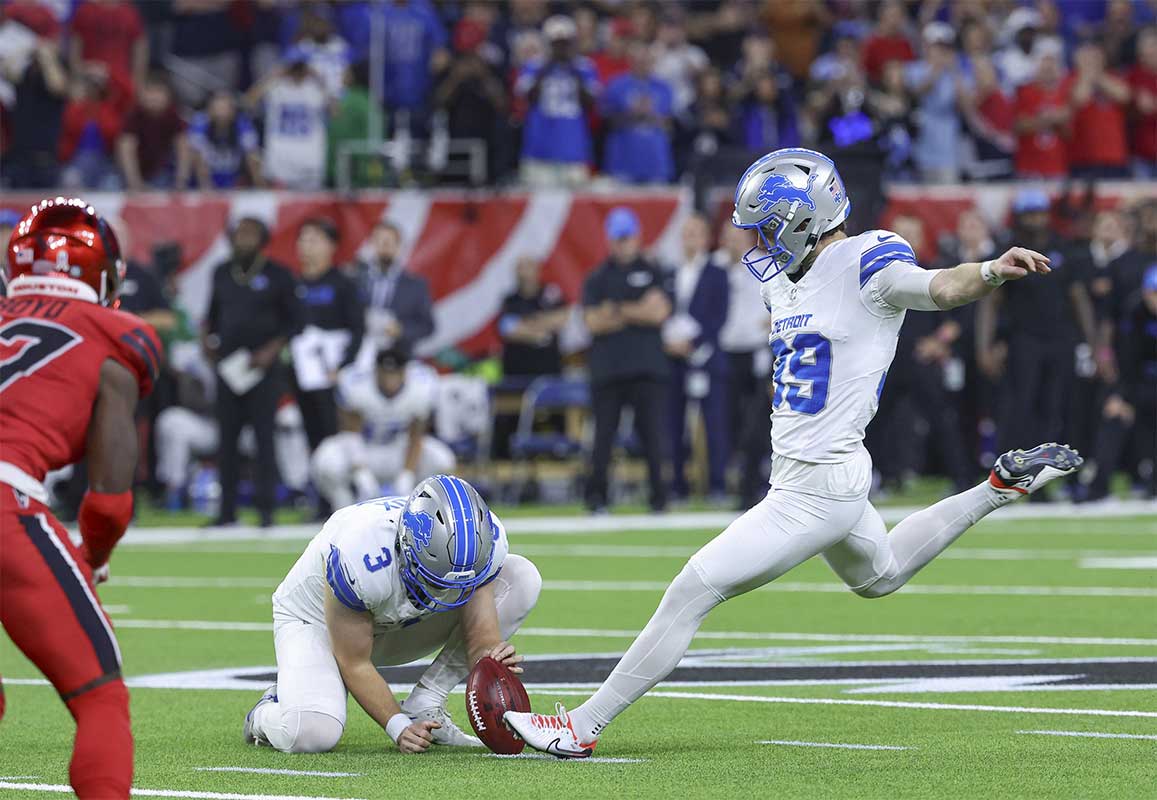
(340, 579)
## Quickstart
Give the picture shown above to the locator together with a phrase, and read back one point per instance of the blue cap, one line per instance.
(1149, 281)
(622, 223)
(1029, 200)
(9, 218)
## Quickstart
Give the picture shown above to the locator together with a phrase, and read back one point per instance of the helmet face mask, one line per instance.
(445, 543)
(790, 198)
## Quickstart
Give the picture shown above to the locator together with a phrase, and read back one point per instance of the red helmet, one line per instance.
(64, 238)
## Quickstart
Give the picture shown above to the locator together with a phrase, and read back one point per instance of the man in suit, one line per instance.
(700, 292)
(399, 310)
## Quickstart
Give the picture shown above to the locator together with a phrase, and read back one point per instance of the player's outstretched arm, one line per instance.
(481, 631)
(351, 635)
(107, 507)
(966, 283)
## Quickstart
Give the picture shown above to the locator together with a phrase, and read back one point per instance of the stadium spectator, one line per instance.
(88, 133)
(700, 294)
(624, 305)
(678, 62)
(798, 30)
(399, 310)
(1118, 33)
(224, 146)
(841, 61)
(327, 53)
(110, 32)
(638, 108)
(415, 49)
(586, 26)
(613, 60)
(152, 149)
(889, 40)
(529, 323)
(975, 44)
(205, 43)
(253, 313)
(36, 118)
(988, 115)
(556, 139)
(1099, 99)
(473, 96)
(1016, 62)
(354, 119)
(711, 114)
(1043, 119)
(1143, 85)
(890, 105)
(1042, 322)
(333, 322)
(938, 84)
(296, 112)
(767, 118)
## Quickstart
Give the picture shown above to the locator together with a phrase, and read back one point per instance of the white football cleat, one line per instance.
(1026, 471)
(247, 732)
(549, 734)
(449, 734)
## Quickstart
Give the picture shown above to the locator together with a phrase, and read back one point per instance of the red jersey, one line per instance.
(879, 50)
(1098, 132)
(51, 352)
(1143, 81)
(1041, 153)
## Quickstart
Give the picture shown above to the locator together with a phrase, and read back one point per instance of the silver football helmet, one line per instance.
(791, 198)
(445, 543)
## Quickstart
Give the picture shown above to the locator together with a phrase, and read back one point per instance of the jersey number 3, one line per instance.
(803, 370)
(27, 345)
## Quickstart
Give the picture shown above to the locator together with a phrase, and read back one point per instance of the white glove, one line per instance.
(100, 575)
(404, 483)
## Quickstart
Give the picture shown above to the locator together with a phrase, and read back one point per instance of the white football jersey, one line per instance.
(356, 550)
(386, 418)
(833, 338)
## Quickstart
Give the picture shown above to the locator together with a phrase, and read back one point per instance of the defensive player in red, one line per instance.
(71, 370)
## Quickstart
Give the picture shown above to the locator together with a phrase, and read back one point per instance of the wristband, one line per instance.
(988, 276)
(398, 723)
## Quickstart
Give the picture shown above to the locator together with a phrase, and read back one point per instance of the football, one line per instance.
(491, 691)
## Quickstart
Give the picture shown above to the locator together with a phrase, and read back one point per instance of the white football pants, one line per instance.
(183, 435)
(334, 473)
(790, 525)
(310, 713)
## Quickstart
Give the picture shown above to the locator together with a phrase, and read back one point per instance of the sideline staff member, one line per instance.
(624, 305)
(254, 307)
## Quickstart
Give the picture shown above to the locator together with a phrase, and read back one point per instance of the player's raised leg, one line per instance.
(875, 563)
(785, 529)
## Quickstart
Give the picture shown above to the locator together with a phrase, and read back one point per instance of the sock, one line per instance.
(102, 755)
(426, 695)
(922, 536)
(652, 656)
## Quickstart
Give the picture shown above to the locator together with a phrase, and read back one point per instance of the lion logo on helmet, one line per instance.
(778, 188)
(420, 525)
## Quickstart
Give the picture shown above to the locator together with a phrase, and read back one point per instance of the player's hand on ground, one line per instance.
(503, 653)
(417, 738)
(1018, 262)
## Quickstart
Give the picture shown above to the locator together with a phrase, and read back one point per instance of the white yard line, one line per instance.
(190, 582)
(1145, 562)
(61, 789)
(835, 745)
(1093, 735)
(266, 771)
(826, 701)
(614, 523)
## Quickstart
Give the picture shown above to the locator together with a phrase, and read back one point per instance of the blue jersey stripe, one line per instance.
(898, 250)
(338, 581)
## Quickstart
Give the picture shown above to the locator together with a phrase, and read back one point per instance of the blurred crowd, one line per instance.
(302, 386)
(108, 94)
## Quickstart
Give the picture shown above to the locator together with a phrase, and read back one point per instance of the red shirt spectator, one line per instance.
(110, 32)
(888, 41)
(1143, 85)
(1098, 100)
(612, 61)
(152, 149)
(92, 115)
(1042, 122)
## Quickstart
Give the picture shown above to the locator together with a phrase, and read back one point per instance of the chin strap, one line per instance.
(103, 519)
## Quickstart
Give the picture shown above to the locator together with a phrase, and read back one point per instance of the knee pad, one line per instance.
(313, 732)
(523, 578)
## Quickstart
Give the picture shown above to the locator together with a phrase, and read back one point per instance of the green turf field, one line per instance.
(1023, 626)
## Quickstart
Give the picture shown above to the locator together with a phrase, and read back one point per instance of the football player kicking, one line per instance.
(837, 304)
(384, 583)
(71, 370)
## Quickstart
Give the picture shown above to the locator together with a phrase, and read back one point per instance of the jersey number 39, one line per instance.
(803, 370)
